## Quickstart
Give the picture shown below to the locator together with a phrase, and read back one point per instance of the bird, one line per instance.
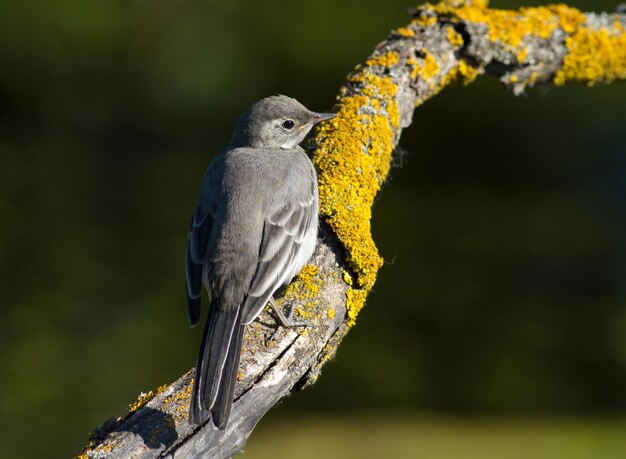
(252, 230)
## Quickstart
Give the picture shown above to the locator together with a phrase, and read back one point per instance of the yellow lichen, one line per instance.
(522, 54)
(510, 27)
(384, 60)
(533, 78)
(306, 284)
(570, 18)
(180, 399)
(463, 73)
(426, 68)
(405, 32)
(431, 66)
(353, 151)
(93, 449)
(98, 451)
(455, 38)
(415, 66)
(303, 291)
(352, 157)
(327, 353)
(425, 20)
(144, 398)
(331, 313)
(355, 300)
(467, 73)
(461, 3)
(593, 56)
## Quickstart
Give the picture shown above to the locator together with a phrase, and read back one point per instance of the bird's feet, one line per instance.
(286, 320)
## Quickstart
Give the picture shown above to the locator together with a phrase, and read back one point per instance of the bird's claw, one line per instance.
(286, 320)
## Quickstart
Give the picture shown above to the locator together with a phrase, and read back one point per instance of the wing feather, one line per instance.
(281, 253)
(198, 239)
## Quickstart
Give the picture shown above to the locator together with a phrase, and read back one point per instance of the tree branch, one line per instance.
(444, 43)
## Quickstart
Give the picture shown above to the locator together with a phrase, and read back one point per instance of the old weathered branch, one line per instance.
(444, 43)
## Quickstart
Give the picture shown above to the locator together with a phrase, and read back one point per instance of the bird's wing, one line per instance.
(199, 235)
(285, 248)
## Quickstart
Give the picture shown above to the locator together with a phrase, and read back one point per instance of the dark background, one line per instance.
(504, 290)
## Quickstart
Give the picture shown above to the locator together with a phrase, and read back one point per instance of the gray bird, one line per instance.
(252, 230)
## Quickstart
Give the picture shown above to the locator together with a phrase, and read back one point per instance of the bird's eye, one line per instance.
(288, 125)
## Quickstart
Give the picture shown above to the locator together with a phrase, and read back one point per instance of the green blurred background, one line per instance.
(497, 326)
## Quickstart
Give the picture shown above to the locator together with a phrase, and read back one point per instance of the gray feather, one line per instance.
(221, 329)
(277, 266)
(253, 228)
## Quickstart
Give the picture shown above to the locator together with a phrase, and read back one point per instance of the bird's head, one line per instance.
(275, 122)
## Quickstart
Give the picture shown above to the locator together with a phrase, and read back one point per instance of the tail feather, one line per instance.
(224, 402)
(217, 364)
(193, 309)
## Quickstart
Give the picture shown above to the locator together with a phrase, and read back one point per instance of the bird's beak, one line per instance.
(319, 117)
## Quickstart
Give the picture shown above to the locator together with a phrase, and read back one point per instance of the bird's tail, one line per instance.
(216, 372)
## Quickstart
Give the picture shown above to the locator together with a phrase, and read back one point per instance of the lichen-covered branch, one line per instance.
(452, 41)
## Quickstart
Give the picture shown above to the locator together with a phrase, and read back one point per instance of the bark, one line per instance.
(452, 41)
